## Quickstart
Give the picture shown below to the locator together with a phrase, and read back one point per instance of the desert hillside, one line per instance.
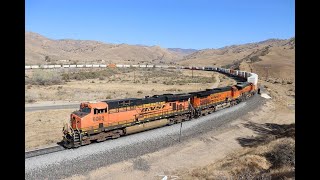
(271, 58)
(42, 50)
(183, 52)
(272, 62)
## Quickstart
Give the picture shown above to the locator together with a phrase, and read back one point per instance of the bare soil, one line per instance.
(44, 127)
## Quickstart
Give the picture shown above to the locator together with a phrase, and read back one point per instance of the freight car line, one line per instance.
(250, 77)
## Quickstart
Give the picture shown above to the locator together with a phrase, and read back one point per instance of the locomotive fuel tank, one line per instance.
(146, 126)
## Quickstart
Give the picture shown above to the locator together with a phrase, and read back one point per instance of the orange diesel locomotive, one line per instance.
(114, 118)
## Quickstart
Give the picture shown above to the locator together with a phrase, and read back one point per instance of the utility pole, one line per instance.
(267, 67)
(250, 68)
(180, 130)
(134, 76)
(192, 73)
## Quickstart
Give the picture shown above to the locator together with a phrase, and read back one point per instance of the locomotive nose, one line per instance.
(75, 121)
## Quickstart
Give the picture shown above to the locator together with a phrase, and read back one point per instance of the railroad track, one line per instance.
(38, 152)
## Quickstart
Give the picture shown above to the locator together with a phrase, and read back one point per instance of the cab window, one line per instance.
(100, 111)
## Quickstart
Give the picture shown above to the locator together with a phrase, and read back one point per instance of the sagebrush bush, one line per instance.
(41, 77)
(30, 97)
(282, 155)
(83, 75)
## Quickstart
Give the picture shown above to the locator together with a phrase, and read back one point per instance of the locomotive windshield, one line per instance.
(85, 109)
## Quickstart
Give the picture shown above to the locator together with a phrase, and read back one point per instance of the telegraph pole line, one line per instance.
(180, 130)
(192, 73)
(134, 76)
(267, 71)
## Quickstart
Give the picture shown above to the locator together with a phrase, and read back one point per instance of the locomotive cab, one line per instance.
(89, 115)
(77, 116)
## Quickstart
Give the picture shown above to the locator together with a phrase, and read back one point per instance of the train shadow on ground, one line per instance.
(266, 133)
(60, 143)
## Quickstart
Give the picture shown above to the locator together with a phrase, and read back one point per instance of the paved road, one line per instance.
(52, 107)
(84, 159)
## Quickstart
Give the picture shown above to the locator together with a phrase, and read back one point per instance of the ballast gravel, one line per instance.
(66, 163)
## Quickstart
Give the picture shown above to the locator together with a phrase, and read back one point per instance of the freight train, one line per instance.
(96, 122)
(242, 74)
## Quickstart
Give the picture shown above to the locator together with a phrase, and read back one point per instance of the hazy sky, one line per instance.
(168, 23)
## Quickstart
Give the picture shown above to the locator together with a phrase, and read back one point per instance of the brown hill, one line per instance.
(41, 50)
(183, 52)
(273, 58)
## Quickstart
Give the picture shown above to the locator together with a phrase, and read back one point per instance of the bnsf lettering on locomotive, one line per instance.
(153, 108)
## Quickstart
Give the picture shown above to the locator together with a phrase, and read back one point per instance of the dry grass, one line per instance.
(30, 97)
(83, 75)
(87, 85)
(270, 160)
(41, 77)
(44, 127)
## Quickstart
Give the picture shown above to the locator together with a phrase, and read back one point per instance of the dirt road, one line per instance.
(52, 107)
